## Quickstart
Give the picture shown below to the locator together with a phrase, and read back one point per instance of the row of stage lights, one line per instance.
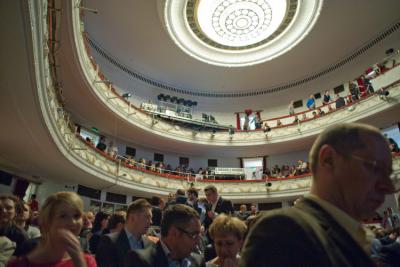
(176, 100)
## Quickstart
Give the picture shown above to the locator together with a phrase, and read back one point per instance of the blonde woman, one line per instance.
(227, 234)
(60, 224)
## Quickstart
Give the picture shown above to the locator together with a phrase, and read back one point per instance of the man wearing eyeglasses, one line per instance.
(351, 166)
(180, 233)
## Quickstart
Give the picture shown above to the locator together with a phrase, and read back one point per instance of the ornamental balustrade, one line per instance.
(85, 157)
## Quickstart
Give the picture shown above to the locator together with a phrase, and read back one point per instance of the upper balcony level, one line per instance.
(57, 152)
(94, 99)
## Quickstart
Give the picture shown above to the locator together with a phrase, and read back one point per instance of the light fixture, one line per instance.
(127, 95)
(389, 51)
(213, 132)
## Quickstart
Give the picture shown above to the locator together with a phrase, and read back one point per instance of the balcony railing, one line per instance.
(87, 158)
(106, 92)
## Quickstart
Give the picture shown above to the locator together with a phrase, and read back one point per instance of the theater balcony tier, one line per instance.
(36, 111)
(143, 126)
(118, 174)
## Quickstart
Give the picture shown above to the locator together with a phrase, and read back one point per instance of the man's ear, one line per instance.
(327, 156)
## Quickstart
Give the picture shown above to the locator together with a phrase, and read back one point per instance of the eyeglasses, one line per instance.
(380, 170)
(193, 236)
(374, 166)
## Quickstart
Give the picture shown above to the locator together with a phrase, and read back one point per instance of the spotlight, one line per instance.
(389, 51)
(126, 95)
(212, 119)
(205, 117)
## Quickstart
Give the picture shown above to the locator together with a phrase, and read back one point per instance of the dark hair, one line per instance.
(155, 201)
(100, 216)
(177, 215)
(19, 207)
(114, 220)
(17, 203)
(138, 205)
(180, 192)
(193, 191)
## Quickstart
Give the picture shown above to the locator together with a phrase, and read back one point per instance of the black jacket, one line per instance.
(114, 247)
(154, 256)
(223, 206)
(304, 235)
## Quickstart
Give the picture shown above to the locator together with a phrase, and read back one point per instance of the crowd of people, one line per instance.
(283, 171)
(175, 230)
(351, 165)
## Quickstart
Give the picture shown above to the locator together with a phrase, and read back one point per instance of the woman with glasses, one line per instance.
(60, 224)
(228, 235)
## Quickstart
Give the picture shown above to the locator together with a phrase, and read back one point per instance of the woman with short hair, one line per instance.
(228, 234)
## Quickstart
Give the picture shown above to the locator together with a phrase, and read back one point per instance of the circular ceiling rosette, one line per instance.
(237, 33)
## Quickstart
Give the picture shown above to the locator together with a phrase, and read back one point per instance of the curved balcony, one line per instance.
(84, 157)
(106, 94)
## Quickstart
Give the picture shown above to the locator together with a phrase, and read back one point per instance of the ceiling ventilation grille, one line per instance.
(394, 28)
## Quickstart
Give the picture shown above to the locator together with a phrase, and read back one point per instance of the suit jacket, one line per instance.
(154, 256)
(157, 215)
(304, 235)
(114, 247)
(223, 206)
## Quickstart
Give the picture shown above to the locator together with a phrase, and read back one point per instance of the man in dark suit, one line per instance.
(216, 205)
(351, 166)
(180, 232)
(192, 199)
(114, 247)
